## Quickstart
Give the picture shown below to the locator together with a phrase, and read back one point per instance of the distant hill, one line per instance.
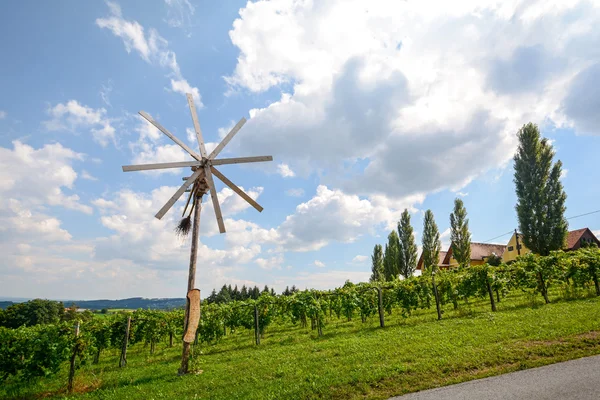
(133, 303)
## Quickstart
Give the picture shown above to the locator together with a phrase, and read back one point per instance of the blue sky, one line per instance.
(367, 109)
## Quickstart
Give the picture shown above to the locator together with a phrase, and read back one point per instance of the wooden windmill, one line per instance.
(201, 181)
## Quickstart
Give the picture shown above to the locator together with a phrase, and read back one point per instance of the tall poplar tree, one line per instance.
(408, 248)
(540, 194)
(391, 256)
(431, 242)
(377, 272)
(459, 234)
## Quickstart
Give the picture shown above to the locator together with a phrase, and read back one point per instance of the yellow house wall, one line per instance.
(454, 264)
(509, 256)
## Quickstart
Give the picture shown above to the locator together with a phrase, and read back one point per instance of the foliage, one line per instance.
(31, 313)
(540, 195)
(459, 234)
(431, 242)
(377, 271)
(391, 257)
(408, 247)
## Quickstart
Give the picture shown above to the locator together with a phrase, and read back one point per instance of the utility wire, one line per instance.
(574, 216)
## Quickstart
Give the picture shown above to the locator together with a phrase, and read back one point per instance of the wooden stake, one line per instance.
(123, 359)
(256, 325)
(73, 356)
(380, 307)
(437, 297)
(185, 355)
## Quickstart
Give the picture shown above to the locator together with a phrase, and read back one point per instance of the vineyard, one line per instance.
(44, 352)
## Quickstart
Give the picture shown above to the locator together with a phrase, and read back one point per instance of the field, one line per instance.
(352, 359)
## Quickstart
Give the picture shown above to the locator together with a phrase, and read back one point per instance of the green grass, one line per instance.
(352, 359)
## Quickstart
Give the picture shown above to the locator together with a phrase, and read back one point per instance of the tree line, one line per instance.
(540, 211)
(228, 294)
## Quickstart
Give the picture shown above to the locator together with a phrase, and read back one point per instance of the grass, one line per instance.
(352, 359)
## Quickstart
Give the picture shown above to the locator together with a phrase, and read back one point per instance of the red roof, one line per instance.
(479, 251)
(573, 238)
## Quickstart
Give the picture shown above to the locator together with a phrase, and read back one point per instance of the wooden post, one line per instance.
(437, 297)
(490, 292)
(185, 356)
(380, 307)
(256, 325)
(73, 356)
(543, 287)
(123, 359)
(518, 245)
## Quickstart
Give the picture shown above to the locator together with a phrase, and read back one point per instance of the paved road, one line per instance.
(570, 380)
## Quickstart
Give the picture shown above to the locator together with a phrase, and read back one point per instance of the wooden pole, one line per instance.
(490, 292)
(256, 325)
(437, 297)
(73, 356)
(123, 359)
(185, 355)
(380, 307)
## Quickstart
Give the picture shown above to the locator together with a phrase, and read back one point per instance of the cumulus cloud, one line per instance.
(357, 87)
(319, 264)
(151, 46)
(72, 116)
(38, 177)
(2, 114)
(285, 171)
(332, 215)
(583, 100)
(360, 259)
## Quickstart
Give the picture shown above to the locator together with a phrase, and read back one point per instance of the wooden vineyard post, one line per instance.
(437, 297)
(380, 307)
(256, 325)
(185, 355)
(491, 293)
(73, 356)
(123, 359)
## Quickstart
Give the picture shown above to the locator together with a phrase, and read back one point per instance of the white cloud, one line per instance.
(105, 93)
(86, 175)
(462, 194)
(332, 215)
(2, 114)
(179, 13)
(152, 47)
(38, 177)
(72, 116)
(360, 259)
(270, 263)
(296, 192)
(327, 279)
(445, 239)
(362, 88)
(319, 264)
(285, 171)
(563, 173)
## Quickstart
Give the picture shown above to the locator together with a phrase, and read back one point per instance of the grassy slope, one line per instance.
(353, 360)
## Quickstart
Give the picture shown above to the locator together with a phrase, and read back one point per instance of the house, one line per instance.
(479, 254)
(574, 240)
(440, 261)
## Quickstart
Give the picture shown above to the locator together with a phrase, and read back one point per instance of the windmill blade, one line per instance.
(144, 167)
(197, 174)
(215, 199)
(170, 135)
(241, 160)
(190, 100)
(236, 189)
(227, 139)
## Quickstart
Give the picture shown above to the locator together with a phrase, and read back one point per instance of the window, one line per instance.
(510, 248)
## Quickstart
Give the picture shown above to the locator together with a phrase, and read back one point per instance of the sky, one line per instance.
(367, 108)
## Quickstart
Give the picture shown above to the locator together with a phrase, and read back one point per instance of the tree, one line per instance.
(431, 242)
(540, 194)
(32, 312)
(377, 271)
(391, 257)
(459, 234)
(408, 248)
